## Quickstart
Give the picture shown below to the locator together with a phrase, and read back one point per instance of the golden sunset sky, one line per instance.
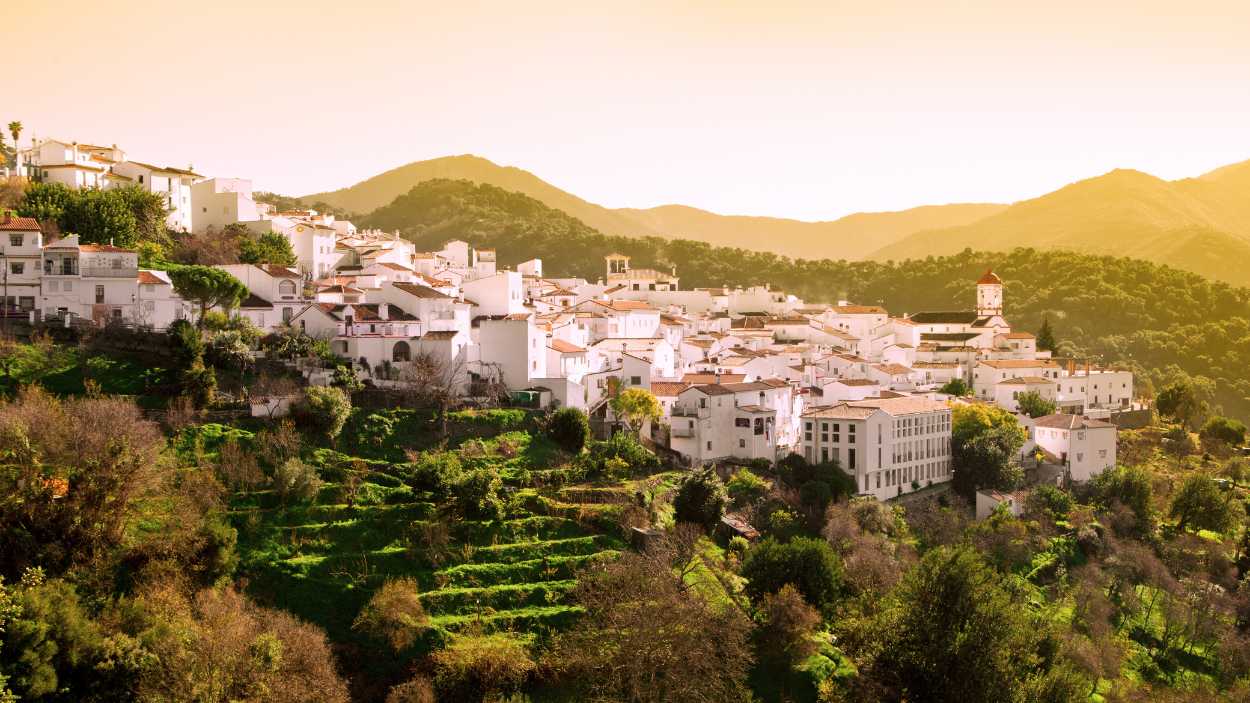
(797, 109)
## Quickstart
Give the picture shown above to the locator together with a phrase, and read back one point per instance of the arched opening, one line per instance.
(401, 352)
(286, 287)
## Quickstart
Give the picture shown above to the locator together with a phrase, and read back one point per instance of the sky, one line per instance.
(811, 110)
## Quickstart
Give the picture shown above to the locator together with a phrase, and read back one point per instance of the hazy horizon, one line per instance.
(804, 111)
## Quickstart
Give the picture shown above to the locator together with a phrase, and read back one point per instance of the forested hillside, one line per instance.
(1160, 320)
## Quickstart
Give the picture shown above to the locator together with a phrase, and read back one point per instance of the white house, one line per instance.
(172, 184)
(74, 165)
(1006, 394)
(1085, 447)
(98, 282)
(988, 373)
(277, 293)
(890, 445)
(217, 202)
(21, 247)
(707, 423)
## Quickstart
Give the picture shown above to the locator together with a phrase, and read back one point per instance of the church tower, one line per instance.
(989, 294)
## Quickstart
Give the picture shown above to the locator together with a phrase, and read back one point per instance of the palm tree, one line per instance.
(15, 128)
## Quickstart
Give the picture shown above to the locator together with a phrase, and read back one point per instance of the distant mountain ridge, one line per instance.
(851, 237)
(1199, 224)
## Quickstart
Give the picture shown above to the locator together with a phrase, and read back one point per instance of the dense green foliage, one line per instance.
(125, 217)
(569, 428)
(1159, 321)
(810, 565)
(701, 499)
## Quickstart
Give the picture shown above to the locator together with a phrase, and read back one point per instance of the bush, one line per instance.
(295, 480)
(810, 565)
(394, 614)
(745, 488)
(569, 429)
(481, 667)
(623, 447)
(701, 499)
(199, 383)
(1222, 430)
(326, 408)
(477, 496)
(437, 472)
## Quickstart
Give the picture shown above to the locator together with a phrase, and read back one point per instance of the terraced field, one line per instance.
(323, 560)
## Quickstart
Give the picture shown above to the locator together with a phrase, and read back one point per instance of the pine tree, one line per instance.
(1046, 336)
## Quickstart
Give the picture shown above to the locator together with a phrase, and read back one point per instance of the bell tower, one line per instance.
(989, 294)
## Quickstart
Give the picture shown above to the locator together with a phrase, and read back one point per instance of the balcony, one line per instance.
(108, 272)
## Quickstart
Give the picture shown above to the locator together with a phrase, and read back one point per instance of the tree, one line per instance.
(1223, 431)
(745, 488)
(209, 287)
(295, 480)
(810, 565)
(700, 499)
(635, 406)
(1184, 401)
(952, 633)
(984, 443)
(788, 626)
(15, 129)
(646, 637)
(1130, 487)
(269, 248)
(475, 667)
(1046, 336)
(956, 387)
(1032, 403)
(326, 408)
(569, 429)
(1200, 503)
(394, 614)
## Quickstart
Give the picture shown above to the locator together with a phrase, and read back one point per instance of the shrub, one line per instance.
(394, 614)
(1222, 430)
(199, 383)
(481, 667)
(745, 488)
(326, 408)
(810, 565)
(477, 496)
(569, 429)
(701, 499)
(437, 472)
(295, 480)
(738, 545)
(621, 446)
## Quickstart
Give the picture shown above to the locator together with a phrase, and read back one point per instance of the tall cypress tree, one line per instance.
(1046, 336)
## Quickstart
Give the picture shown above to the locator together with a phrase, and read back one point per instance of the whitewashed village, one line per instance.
(741, 374)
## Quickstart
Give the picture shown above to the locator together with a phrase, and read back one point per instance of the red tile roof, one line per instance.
(19, 224)
(989, 278)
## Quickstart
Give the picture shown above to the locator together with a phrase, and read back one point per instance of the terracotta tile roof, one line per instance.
(700, 378)
(1019, 335)
(856, 382)
(668, 389)
(892, 369)
(711, 389)
(1027, 381)
(895, 406)
(1019, 363)
(108, 248)
(279, 271)
(149, 278)
(255, 301)
(419, 291)
(1064, 421)
(859, 310)
(944, 318)
(440, 334)
(14, 223)
(989, 278)
(564, 347)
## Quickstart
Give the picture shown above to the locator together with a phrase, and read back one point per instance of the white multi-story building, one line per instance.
(98, 282)
(21, 248)
(73, 164)
(1084, 447)
(217, 202)
(172, 184)
(890, 445)
(276, 293)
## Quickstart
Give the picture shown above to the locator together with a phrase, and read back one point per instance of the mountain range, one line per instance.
(1199, 224)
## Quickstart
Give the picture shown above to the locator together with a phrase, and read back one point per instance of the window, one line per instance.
(27, 303)
(17, 267)
(850, 459)
(709, 445)
(1102, 453)
(15, 240)
(635, 380)
(742, 422)
(99, 294)
(286, 288)
(117, 313)
(287, 313)
(742, 443)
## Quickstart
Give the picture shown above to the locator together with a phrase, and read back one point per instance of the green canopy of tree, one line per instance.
(1032, 403)
(208, 287)
(1046, 336)
(701, 499)
(1224, 431)
(1200, 503)
(635, 406)
(124, 217)
(956, 387)
(1184, 400)
(984, 442)
(268, 248)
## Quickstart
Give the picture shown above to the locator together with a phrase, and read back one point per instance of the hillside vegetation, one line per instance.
(1160, 320)
(851, 237)
(1198, 224)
